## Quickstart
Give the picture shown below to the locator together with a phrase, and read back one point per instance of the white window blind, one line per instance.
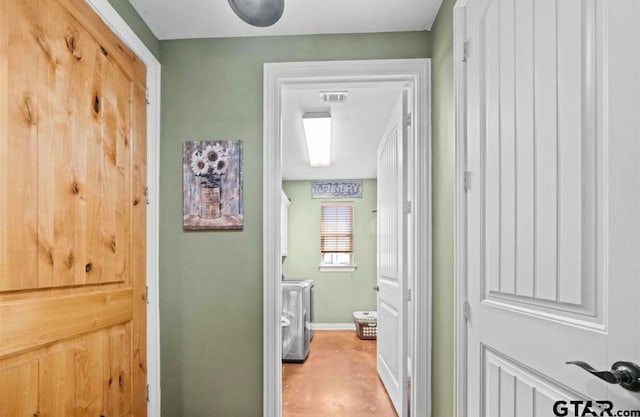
(336, 227)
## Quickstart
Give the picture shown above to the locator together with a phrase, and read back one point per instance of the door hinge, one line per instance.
(146, 294)
(466, 310)
(148, 392)
(409, 294)
(408, 207)
(409, 119)
(146, 194)
(147, 95)
(465, 51)
(466, 181)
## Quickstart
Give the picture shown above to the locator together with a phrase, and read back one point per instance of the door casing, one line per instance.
(416, 74)
(460, 215)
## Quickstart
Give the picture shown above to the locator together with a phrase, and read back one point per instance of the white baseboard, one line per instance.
(333, 326)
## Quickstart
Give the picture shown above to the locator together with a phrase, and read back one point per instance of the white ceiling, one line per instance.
(357, 127)
(171, 19)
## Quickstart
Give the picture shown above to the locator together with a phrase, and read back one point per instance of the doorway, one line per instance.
(414, 74)
(332, 212)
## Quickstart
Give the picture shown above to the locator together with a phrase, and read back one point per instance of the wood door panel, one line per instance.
(18, 245)
(85, 376)
(19, 390)
(117, 390)
(89, 376)
(56, 384)
(31, 323)
(61, 214)
(117, 119)
(72, 214)
(68, 150)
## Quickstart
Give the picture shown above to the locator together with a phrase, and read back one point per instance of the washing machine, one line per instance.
(297, 312)
(309, 305)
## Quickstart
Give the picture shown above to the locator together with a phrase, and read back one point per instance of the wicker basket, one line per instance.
(366, 324)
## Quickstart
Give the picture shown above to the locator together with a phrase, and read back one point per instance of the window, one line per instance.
(336, 236)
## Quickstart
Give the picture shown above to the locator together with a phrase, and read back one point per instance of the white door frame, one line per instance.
(462, 182)
(417, 74)
(117, 24)
(460, 204)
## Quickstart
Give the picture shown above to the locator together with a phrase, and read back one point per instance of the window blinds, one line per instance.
(336, 227)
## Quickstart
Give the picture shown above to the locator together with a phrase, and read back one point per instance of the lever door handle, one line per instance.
(376, 288)
(625, 374)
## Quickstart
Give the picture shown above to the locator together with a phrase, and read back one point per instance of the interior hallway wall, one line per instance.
(211, 282)
(443, 213)
(337, 294)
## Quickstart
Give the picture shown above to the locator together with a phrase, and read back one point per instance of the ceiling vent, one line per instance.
(333, 96)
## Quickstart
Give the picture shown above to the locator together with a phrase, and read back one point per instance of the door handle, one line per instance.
(625, 374)
(376, 288)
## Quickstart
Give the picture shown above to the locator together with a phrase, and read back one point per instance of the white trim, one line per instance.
(337, 268)
(459, 68)
(333, 326)
(416, 74)
(117, 24)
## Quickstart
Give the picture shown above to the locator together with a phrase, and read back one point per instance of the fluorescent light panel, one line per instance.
(317, 132)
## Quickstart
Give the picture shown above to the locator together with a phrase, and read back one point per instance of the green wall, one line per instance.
(211, 282)
(135, 22)
(443, 213)
(337, 294)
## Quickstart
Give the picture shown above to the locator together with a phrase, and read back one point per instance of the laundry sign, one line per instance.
(336, 189)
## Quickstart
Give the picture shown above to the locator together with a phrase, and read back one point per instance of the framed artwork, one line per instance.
(212, 185)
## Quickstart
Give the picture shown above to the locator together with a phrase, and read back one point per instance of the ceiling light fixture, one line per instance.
(261, 13)
(317, 132)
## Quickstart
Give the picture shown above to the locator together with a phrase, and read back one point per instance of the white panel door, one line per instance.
(553, 210)
(392, 317)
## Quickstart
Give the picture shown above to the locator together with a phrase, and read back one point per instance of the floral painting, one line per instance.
(212, 178)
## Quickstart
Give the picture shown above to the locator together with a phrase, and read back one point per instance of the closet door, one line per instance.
(72, 215)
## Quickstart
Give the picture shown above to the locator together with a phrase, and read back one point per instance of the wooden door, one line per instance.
(392, 248)
(553, 204)
(72, 215)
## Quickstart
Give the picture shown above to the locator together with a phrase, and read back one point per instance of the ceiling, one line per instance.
(171, 19)
(357, 126)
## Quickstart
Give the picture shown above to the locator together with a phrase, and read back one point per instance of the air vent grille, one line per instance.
(333, 96)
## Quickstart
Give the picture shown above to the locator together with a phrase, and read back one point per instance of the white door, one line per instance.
(553, 209)
(392, 317)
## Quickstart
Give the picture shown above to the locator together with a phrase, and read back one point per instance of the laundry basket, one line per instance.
(366, 324)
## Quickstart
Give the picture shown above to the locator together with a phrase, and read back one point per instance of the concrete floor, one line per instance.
(339, 379)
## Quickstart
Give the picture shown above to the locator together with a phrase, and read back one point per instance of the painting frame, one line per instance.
(212, 185)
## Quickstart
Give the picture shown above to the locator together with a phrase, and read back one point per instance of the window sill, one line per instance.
(337, 268)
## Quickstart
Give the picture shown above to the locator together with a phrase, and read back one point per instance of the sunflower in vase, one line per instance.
(210, 165)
